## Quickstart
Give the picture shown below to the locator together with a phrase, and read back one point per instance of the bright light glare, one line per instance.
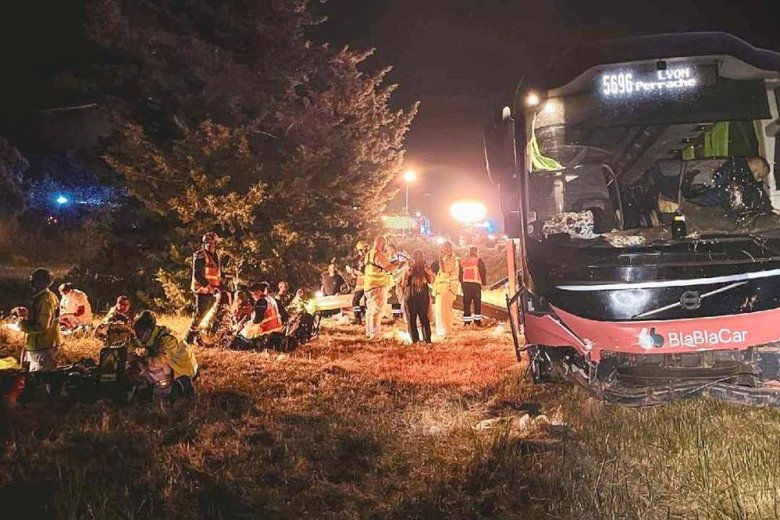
(61, 199)
(532, 99)
(409, 176)
(440, 240)
(468, 211)
(319, 294)
(491, 237)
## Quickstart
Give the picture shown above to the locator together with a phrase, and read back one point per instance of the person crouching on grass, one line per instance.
(167, 364)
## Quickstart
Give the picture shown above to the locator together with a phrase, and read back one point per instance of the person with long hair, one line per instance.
(416, 296)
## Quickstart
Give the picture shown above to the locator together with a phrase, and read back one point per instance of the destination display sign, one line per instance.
(666, 81)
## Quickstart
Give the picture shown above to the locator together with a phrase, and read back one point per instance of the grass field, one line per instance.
(345, 428)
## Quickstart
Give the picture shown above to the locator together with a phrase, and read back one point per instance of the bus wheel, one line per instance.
(539, 365)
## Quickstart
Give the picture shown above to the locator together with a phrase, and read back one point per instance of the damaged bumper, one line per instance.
(750, 377)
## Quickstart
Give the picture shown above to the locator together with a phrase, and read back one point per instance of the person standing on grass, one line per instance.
(206, 282)
(41, 324)
(445, 289)
(473, 276)
(416, 296)
(377, 280)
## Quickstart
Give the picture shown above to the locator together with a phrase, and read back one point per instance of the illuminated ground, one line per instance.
(345, 428)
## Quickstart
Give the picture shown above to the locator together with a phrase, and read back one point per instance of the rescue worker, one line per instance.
(416, 297)
(266, 319)
(40, 323)
(473, 276)
(75, 310)
(445, 289)
(358, 308)
(120, 312)
(168, 364)
(376, 284)
(206, 281)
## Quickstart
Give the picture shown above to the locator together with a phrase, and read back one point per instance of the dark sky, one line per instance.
(460, 58)
(463, 58)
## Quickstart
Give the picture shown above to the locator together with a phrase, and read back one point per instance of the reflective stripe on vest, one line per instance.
(375, 275)
(271, 322)
(212, 271)
(470, 266)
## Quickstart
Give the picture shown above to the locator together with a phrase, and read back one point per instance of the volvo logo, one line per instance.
(690, 300)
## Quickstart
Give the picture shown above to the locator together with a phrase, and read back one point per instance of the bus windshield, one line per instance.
(633, 148)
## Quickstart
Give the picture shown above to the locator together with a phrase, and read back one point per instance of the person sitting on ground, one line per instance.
(332, 281)
(120, 312)
(40, 323)
(266, 323)
(75, 310)
(242, 308)
(416, 296)
(283, 299)
(283, 295)
(298, 303)
(168, 364)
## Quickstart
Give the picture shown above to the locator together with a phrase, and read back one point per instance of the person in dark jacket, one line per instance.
(473, 276)
(416, 296)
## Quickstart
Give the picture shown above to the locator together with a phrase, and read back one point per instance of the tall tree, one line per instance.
(233, 120)
(12, 165)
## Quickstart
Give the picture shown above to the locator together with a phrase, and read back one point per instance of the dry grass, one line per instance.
(346, 428)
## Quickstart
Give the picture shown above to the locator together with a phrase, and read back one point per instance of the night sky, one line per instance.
(460, 58)
(463, 58)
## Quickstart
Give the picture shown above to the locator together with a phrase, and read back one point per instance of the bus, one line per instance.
(638, 179)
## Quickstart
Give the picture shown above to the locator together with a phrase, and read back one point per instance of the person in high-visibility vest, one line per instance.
(473, 276)
(376, 283)
(206, 281)
(40, 323)
(445, 289)
(266, 318)
(168, 364)
(358, 308)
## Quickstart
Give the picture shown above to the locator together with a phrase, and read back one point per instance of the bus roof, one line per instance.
(577, 60)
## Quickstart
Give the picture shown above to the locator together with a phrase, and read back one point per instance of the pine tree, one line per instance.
(232, 120)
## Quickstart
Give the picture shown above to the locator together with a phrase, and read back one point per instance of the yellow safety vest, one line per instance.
(375, 274)
(447, 276)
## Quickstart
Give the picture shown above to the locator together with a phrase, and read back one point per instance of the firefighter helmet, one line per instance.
(362, 245)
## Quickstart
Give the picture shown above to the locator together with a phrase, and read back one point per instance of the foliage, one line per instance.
(232, 120)
(12, 165)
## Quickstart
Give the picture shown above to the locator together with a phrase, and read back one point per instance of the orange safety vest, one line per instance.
(271, 322)
(212, 272)
(470, 266)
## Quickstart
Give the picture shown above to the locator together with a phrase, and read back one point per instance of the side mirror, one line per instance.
(500, 154)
